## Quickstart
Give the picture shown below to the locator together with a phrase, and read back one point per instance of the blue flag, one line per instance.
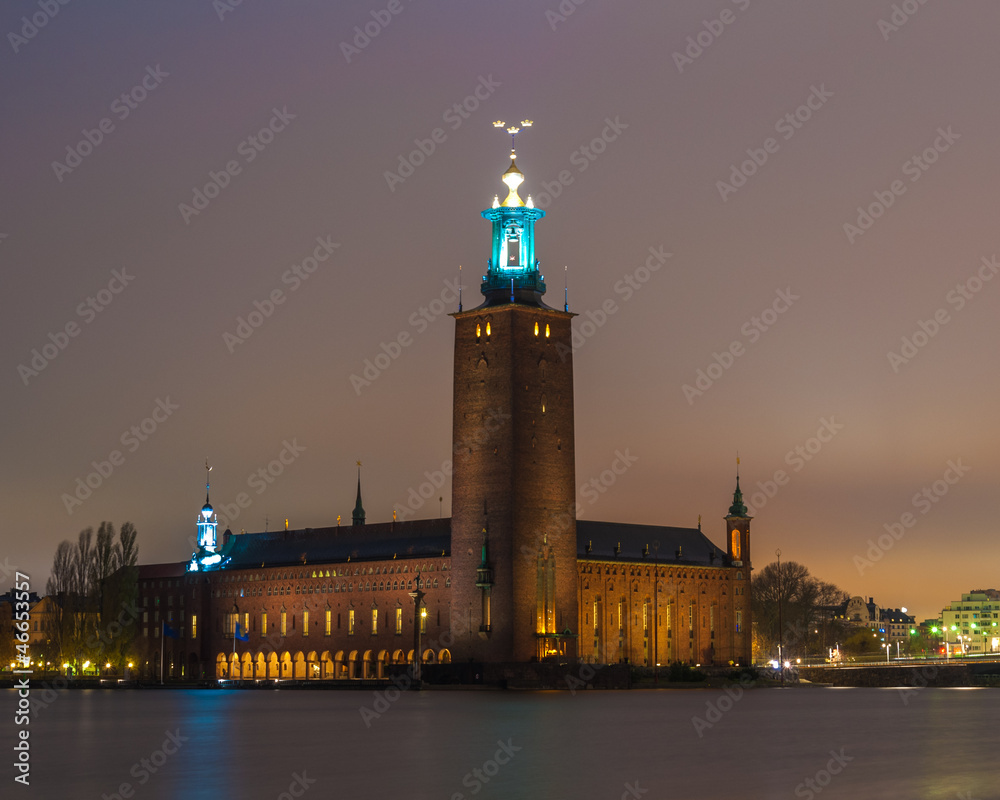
(243, 637)
(170, 633)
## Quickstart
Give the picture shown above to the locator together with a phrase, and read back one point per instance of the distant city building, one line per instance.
(896, 624)
(893, 623)
(972, 624)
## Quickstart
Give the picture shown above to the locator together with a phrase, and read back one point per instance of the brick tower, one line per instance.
(513, 528)
(738, 538)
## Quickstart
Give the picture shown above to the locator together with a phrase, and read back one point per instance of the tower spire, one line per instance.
(738, 508)
(359, 510)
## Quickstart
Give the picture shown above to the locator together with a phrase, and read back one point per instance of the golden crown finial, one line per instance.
(513, 177)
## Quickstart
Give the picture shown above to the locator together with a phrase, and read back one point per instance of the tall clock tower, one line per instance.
(738, 538)
(513, 527)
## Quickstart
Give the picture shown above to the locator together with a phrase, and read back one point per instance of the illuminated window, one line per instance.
(305, 623)
(399, 621)
(739, 621)
(536, 329)
(543, 403)
(284, 622)
(263, 624)
(194, 626)
(479, 330)
(374, 621)
(350, 622)
(487, 329)
(329, 621)
(546, 331)
(246, 623)
(645, 618)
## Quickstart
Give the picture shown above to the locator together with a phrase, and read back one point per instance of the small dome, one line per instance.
(207, 511)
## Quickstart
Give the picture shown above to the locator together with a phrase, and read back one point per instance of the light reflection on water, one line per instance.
(940, 744)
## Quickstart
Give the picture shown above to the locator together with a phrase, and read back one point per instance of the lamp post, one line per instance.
(781, 664)
(418, 615)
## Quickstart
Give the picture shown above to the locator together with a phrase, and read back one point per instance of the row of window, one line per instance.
(341, 572)
(489, 330)
(660, 573)
(367, 586)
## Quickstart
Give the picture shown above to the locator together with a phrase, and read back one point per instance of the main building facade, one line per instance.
(511, 577)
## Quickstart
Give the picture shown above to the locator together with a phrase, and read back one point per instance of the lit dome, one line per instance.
(207, 511)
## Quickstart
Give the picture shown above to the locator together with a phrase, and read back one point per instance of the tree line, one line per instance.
(93, 594)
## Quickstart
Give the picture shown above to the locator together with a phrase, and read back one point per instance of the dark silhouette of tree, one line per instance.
(805, 628)
(94, 585)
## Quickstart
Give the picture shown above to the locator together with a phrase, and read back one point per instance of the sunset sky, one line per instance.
(823, 177)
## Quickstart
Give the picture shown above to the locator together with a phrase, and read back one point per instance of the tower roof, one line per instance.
(358, 515)
(738, 509)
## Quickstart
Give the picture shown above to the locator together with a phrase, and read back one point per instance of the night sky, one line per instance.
(742, 153)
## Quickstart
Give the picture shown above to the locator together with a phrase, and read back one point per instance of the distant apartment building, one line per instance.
(972, 624)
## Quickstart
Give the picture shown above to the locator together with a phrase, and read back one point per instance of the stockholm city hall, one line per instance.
(512, 577)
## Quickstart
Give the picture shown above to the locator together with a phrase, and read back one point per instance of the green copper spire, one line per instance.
(359, 510)
(737, 509)
(484, 575)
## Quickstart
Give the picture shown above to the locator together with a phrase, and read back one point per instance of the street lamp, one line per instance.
(419, 613)
(888, 647)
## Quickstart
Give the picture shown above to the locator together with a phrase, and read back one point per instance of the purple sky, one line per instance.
(879, 97)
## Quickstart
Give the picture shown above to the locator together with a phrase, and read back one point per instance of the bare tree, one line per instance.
(128, 553)
(800, 597)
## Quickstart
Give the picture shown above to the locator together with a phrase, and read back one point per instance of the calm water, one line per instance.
(943, 743)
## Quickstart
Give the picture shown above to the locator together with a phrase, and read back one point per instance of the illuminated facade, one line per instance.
(511, 577)
(972, 624)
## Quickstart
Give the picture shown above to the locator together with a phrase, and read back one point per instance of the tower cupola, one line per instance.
(512, 274)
